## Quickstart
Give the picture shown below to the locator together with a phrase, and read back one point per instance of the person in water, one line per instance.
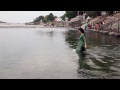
(82, 41)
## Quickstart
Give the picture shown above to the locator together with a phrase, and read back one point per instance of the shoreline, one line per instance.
(111, 33)
(105, 32)
(27, 26)
(21, 26)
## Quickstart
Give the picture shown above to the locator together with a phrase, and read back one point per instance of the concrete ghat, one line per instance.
(105, 32)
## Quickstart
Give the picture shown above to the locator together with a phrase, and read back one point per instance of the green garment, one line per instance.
(81, 43)
(86, 25)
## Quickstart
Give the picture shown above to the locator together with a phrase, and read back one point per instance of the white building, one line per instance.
(58, 19)
(59, 22)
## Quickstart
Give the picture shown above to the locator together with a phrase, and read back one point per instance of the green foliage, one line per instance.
(97, 13)
(93, 13)
(47, 18)
(38, 19)
(41, 17)
(44, 20)
(55, 17)
(63, 17)
(69, 14)
(72, 14)
(50, 17)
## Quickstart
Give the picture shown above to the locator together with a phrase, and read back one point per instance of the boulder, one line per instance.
(112, 33)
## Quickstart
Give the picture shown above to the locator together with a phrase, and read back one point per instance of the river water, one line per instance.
(48, 53)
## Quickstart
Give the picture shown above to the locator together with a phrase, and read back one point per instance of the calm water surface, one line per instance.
(47, 53)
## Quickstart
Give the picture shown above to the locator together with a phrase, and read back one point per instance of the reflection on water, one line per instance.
(102, 58)
(40, 53)
(47, 53)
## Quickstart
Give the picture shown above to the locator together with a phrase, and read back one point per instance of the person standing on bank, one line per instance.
(82, 41)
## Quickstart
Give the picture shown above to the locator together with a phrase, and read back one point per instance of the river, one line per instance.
(48, 53)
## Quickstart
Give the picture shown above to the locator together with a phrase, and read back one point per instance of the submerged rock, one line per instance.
(117, 35)
(112, 33)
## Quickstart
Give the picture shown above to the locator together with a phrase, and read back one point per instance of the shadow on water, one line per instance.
(102, 58)
(72, 38)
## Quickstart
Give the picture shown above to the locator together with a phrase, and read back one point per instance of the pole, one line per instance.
(102, 25)
(118, 24)
(78, 13)
(111, 24)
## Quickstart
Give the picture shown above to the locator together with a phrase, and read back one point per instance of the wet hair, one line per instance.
(80, 29)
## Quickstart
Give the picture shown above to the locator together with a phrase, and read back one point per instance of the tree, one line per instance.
(70, 14)
(93, 13)
(38, 19)
(55, 17)
(50, 17)
(41, 17)
(63, 17)
(44, 20)
(47, 18)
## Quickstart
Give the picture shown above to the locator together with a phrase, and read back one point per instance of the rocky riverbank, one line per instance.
(109, 24)
(106, 32)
